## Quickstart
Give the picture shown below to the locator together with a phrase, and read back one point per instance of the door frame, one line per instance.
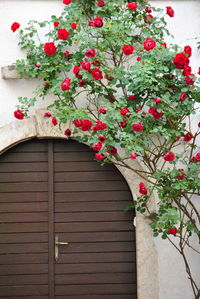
(146, 253)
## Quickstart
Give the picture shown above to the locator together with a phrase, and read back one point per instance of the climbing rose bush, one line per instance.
(136, 96)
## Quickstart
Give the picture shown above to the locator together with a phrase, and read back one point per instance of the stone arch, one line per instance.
(147, 257)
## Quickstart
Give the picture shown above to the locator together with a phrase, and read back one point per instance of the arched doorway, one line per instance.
(53, 191)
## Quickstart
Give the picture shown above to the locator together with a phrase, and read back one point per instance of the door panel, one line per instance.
(55, 188)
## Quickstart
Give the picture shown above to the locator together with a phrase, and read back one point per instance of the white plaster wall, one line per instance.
(173, 282)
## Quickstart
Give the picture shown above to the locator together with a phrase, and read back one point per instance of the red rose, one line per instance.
(188, 51)
(82, 83)
(142, 189)
(102, 138)
(19, 114)
(164, 45)
(169, 157)
(73, 25)
(67, 54)
(15, 26)
(38, 64)
(65, 85)
(78, 123)
(133, 156)
(124, 111)
(100, 3)
(172, 231)
(137, 127)
(138, 58)
(128, 49)
(86, 125)
(111, 150)
(99, 156)
(56, 24)
(148, 19)
(157, 100)
(197, 157)
(98, 22)
(63, 34)
(123, 123)
(188, 136)
(96, 62)
(67, 2)
(132, 5)
(131, 98)
(181, 176)
(96, 74)
(102, 110)
(149, 44)
(76, 69)
(47, 114)
(155, 113)
(183, 96)
(148, 10)
(67, 132)
(187, 70)
(180, 60)
(85, 65)
(97, 146)
(189, 80)
(49, 48)
(199, 71)
(99, 126)
(170, 11)
(54, 121)
(90, 53)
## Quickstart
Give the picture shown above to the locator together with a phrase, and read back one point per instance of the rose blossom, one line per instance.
(67, 2)
(47, 114)
(199, 124)
(172, 231)
(73, 25)
(124, 111)
(180, 60)
(49, 48)
(99, 156)
(97, 74)
(131, 98)
(97, 146)
(128, 49)
(199, 71)
(67, 132)
(137, 127)
(183, 96)
(181, 176)
(76, 69)
(157, 100)
(111, 150)
(155, 113)
(188, 136)
(133, 156)
(56, 24)
(82, 83)
(148, 9)
(138, 58)
(85, 65)
(100, 3)
(102, 110)
(78, 123)
(197, 157)
(149, 44)
(170, 11)
(142, 189)
(67, 54)
(102, 138)
(54, 121)
(63, 34)
(132, 5)
(188, 51)
(189, 80)
(98, 22)
(19, 114)
(65, 85)
(86, 125)
(90, 53)
(123, 123)
(99, 126)
(187, 70)
(15, 26)
(169, 157)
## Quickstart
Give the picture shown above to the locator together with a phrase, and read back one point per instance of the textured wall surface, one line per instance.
(185, 26)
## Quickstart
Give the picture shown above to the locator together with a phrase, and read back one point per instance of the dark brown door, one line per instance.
(55, 190)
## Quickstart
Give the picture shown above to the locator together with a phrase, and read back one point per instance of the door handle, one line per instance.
(57, 244)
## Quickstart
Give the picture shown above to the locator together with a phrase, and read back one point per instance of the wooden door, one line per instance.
(55, 188)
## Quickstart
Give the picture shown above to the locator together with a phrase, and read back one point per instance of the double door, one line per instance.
(63, 231)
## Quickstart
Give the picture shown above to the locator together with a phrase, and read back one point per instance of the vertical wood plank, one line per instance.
(51, 218)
